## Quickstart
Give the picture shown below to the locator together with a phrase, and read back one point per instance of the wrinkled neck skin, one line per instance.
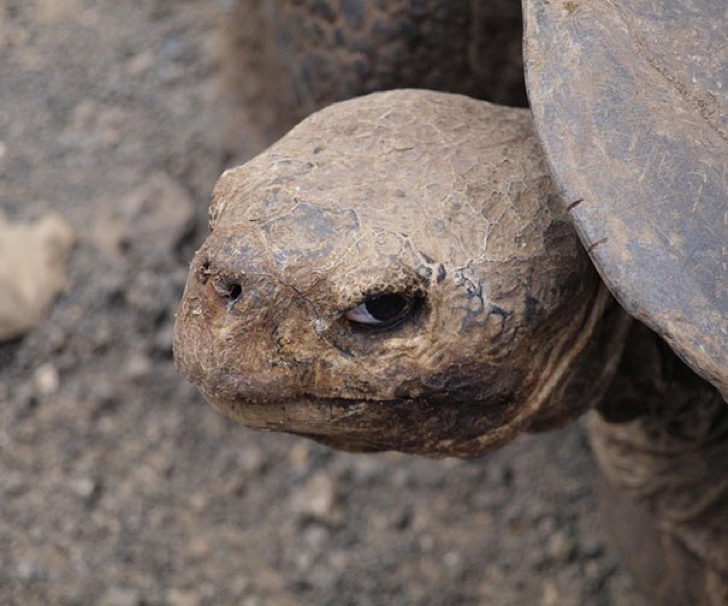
(430, 198)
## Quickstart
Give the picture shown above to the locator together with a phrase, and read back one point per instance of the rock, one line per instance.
(593, 549)
(32, 271)
(13, 484)
(120, 596)
(53, 11)
(183, 597)
(316, 499)
(427, 543)
(138, 366)
(105, 394)
(46, 379)
(299, 454)
(252, 460)
(367, 469)
(198, 502)
(29, 570)
(87, 489)
(452, 559)
(162, 341)
(560, 547)
(551, 596)
(324, 578)
(140, 64)
(401, 518)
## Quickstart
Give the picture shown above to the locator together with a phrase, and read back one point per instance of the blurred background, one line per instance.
(119, 486)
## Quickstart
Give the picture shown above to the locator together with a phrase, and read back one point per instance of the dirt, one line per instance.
(119, 486)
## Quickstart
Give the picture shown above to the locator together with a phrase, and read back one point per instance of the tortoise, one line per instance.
(433, 273)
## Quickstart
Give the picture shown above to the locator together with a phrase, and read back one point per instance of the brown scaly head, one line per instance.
(397, 273)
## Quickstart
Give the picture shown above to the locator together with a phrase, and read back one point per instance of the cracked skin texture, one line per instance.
(430, 195)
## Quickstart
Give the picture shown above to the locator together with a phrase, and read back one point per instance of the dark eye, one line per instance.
(382, 311)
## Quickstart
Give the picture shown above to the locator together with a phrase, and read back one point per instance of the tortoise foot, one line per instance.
(664, 502)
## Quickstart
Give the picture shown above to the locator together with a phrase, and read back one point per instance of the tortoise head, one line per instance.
(395, 273)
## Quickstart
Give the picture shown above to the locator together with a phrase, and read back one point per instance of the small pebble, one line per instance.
(183, 597)
(120, 596)
(86, 488)
(593, 550)
(13, 484)
(140, 64)
(560, 547)
(46, 379)
(401, 518)
(551, 595)
(299, 453)
(316, 499)
(426, 543)
(30, 571)
(198, 502)
(252, 460)
(138, 366)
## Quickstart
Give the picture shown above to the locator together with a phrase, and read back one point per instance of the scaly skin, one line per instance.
(430, 195)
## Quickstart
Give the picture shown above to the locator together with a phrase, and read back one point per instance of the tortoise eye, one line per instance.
(382, 311)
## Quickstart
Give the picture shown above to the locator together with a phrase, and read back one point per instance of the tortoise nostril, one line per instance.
(235, 291)
(204, 272)
(227, 290)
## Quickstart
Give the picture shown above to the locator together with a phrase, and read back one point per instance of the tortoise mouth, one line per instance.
(433, 426)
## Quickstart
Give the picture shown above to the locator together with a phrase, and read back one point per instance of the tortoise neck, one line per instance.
(651, 379)
(591, 372)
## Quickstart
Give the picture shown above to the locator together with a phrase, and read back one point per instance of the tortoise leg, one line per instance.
(282, 60)
(661, 440)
